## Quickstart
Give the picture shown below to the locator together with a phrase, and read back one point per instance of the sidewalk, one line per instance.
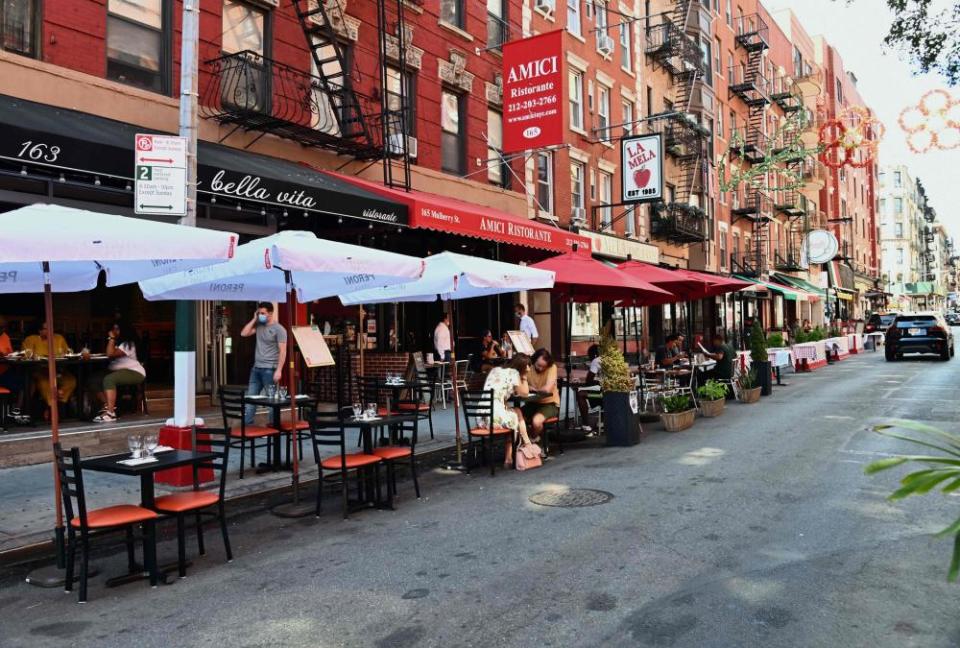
(27, 512)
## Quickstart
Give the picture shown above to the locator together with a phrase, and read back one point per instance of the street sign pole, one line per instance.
(185, 361)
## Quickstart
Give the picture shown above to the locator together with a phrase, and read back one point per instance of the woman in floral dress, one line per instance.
(507, 381)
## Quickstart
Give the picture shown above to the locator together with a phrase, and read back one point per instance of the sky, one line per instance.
(888, 84)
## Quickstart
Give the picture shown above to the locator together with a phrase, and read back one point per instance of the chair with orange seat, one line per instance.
(4, 397)
(233, 408)
(327, 430)
(200, 502)
(397, 451)
(98, 522)
(420, 400)
(477, 409)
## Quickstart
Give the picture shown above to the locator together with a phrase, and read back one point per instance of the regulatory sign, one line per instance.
(641, 168)
(160, 166)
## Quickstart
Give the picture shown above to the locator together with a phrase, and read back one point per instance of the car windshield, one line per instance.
(887, 320)
(917, 321)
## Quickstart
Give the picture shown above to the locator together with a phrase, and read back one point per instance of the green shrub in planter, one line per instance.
(712, 390)
(775, 340)
(679, 413)
(620, 411)
(677, 403)
(749, 380)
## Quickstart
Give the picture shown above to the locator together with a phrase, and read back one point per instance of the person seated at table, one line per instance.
(507, 381)
(489, 351)
(66, 381)
(807, 327)
(724, 355)
(667, 354)
(543, 383)
(9, 380)
(591, 385)
(124, 369)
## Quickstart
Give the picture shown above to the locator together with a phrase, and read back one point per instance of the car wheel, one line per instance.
(945, 355)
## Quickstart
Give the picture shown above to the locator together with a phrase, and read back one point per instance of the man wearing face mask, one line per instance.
(270, 353)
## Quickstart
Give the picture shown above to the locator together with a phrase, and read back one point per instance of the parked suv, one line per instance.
(879, 322)
(953, 318)
(919, 333)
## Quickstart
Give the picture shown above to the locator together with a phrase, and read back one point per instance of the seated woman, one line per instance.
(591, 385)
(490, 351)
(124, 369)
(36, 344)
(506, 381)
(543, 383)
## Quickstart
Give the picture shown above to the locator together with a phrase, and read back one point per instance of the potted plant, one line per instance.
(678, 413)
(621, 410)
(713, 398)
(758, 358)
(775, 340)
(749, 390)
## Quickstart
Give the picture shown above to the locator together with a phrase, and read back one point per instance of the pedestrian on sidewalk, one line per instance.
(269, 355)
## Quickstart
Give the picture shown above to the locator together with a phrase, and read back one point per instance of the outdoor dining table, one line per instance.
(366, 427)
(146, 472)
(82, 365)
(276, 405)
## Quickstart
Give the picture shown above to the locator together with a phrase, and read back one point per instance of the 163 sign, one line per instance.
(641, 168)
(533, 92)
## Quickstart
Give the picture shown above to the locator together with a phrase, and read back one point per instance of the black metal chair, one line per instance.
(216, 441)
(98, 522)
(401, 447)
(327, 430)
(477, 409)
(233, 407)
(420, 400)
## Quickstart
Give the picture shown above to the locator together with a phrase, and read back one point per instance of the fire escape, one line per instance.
(332, 106)
(789, 201)
(748, 83)
(669, 48)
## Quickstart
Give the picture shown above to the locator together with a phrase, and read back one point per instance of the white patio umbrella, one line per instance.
(49, 248)
(451, 276)
(288, 267)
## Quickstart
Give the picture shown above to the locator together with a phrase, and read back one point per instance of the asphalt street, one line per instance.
(758, 528)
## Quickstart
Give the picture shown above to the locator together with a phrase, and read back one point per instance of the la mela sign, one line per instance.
(533, 92)
(641, 168)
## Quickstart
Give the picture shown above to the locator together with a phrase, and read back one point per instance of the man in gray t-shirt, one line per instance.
(270, 352)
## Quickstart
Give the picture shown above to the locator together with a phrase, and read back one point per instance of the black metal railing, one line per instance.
(678, 223)
(256, 93)
(669, 46)
(753, 33)
(749, 84)
(683, 135)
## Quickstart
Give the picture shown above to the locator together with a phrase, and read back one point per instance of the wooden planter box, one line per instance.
(678, 421)
(750, 395)
(712, 408)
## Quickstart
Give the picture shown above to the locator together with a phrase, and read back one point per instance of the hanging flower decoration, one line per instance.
(850, 139)
(934, 123)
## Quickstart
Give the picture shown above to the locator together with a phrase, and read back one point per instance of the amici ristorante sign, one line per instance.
(533, 92)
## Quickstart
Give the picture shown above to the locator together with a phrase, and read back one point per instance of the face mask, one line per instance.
(262, 318)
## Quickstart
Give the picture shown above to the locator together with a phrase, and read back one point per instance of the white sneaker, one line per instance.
(106, 417)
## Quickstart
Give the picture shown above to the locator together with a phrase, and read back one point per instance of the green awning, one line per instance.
(802, 284)
(788, 293)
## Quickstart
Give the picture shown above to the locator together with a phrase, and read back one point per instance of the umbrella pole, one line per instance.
(458, 464)
(361, 336)
(568, 329)
(296, 508)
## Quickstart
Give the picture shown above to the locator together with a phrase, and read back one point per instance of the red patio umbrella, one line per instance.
(682, 287)
(581, 278)
(716, 285)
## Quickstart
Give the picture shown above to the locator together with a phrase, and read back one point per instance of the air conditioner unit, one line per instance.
(546, 6)
(604, 44)
(578, 216)
(395, 145)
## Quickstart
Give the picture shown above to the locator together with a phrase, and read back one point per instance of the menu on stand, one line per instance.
(521, 343)
(313, 347)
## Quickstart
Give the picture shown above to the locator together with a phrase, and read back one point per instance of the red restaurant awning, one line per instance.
(444, 214)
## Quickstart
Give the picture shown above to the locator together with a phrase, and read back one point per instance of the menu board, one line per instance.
(313, 347)
(521, 343)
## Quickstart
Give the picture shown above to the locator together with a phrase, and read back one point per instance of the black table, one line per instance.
(276, 405)
(366, 427)
(395, 388)
(146, 472)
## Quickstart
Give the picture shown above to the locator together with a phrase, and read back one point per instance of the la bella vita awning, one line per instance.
(445, 214)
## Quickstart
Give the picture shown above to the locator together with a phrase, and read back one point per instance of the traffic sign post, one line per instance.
(161, 174)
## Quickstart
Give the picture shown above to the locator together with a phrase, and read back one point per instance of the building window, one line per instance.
(882, 207)
(839, 92)
(707, 55)
(452, 132)
(720, 131)
(325, 119)
(630, 220)
(545, 181)
(722, 243)
(627, 117)
(573, 16)
(244, 28)
(626, 45)
(606, 197)
(496, 24)
(729, 14)
(401, 101)
(718, 52)
(576, 191)
(19, 26)
(137, 42)
(603, 35)
(451, 12)
(576, 100)
(603, 113)
(900, 256)
(730, 69)
(897, 179)
(898, 206)
(497, 171)
(797, 61)
(649, 101)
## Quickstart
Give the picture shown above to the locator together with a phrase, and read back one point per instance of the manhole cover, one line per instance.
(571, 498)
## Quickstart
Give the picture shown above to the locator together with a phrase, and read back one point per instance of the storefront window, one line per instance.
(451, 127)
(586, 320)
(137, 43)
